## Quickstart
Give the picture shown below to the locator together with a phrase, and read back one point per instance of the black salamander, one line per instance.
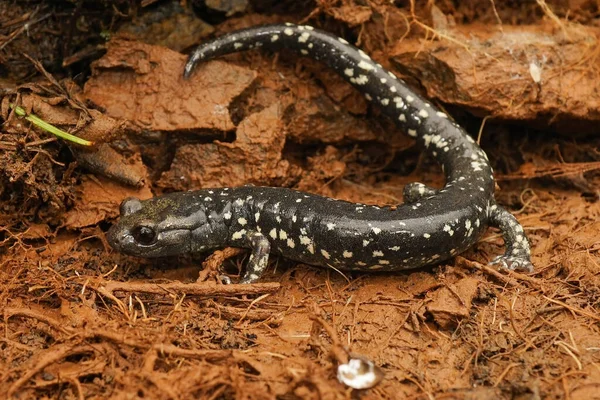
(431, 226)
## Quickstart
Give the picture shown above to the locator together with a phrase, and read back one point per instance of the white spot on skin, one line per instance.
(426, 235)
(288, 31)
(519, 238)
(304, 37)
(423, 113)
(384, 262)
(342, 40)
(238, 235)
(207, 198)
(294, 218)
(349, 72)
(366, 66)
(395, 248)
(256, 216)
(412, 132)
(361, 80)
(363, 54)
(399, 102)
(242, 221)
(291, 243)
(347, 254)
(366, 242)
(383, 80)
(325, 254)
(283, 235)
(273, 233)
(237, 45)
(376, 230)
(227, 215)
(402, 117)
(298, 200)
(468, 224)
(309, 28)
(278, 219)
(441, 114)
(385, 102)
(368, 96)
(330, 226)
(409, 99)
(448, 228)
(304, 52)
(274, 38)
(377, 253)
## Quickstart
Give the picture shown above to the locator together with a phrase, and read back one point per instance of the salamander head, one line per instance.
(150, 228)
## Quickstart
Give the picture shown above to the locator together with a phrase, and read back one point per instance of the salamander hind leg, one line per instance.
(416, 191)
(259, 258)
(517, 255)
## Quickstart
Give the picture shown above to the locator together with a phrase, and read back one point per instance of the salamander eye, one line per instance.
(144, 235)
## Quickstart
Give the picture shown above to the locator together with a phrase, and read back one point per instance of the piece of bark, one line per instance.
(521, 73)
(144, 84)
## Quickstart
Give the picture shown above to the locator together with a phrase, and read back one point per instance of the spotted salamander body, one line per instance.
(431, 226)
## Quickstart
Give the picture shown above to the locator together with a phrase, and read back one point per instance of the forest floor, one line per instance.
(81, 321)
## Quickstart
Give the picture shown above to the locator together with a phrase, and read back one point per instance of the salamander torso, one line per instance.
(431, 226)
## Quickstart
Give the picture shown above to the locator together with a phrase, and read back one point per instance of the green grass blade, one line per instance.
(37, 121)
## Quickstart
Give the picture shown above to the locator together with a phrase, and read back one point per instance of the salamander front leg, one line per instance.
(416, 191)
(259, 258)
(517, 255)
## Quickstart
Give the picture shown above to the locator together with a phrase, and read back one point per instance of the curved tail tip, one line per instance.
(191, 64)
(187, 70)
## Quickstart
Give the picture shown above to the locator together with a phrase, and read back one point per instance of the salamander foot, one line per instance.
(517, 256)
(257, 263)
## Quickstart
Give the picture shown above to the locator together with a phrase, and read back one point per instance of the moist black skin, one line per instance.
(431, 226)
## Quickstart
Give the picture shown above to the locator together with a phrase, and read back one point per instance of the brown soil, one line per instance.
(80, 321)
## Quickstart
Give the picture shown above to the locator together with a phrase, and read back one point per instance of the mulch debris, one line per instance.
(81, 321)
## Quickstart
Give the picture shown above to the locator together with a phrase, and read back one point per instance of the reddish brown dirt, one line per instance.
(80, 321)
